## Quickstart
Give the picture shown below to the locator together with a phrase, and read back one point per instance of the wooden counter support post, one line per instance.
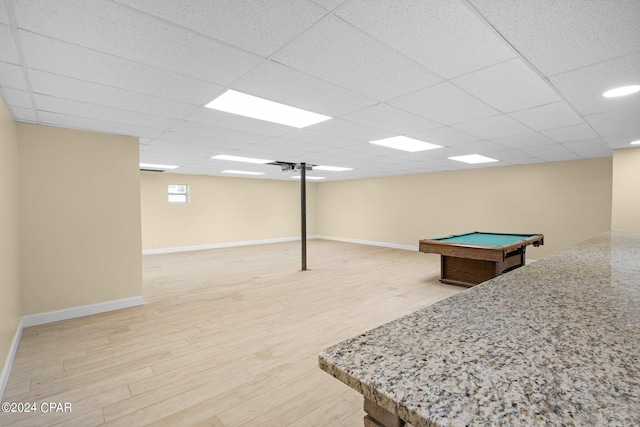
(377, 416)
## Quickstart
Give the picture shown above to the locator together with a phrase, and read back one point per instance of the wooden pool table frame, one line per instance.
(468, 265)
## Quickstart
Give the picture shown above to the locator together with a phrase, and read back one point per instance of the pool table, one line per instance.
(472, 258)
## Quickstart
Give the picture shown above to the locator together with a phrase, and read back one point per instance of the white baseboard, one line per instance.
(8, 363)
(371, 243)
(84, 310)
(219, 245)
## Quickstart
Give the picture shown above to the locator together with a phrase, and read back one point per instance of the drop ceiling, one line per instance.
(520, 82)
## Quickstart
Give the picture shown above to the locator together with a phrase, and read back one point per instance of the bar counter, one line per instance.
(554, 343)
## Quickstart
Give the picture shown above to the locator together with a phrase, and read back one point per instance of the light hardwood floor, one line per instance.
(227, 337)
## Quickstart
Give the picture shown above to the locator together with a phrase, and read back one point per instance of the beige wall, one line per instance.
(221, 210)
(566, 201)
(80, 238)
(626, 190)
(10, 311)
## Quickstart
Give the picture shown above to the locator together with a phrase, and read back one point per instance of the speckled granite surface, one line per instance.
(554, 343)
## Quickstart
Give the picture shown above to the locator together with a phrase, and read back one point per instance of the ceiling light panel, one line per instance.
(242, 172)
(621, 91)
(241, 159)
(155, 166)
(262, 109)
(406, 144)
(309, 177)
(331, 168)
(473, 159)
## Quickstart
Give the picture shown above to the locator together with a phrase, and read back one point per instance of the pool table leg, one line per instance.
(377, 416)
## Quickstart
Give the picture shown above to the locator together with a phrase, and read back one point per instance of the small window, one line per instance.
(178, 193)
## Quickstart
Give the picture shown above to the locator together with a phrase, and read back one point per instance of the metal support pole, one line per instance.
(303, 213)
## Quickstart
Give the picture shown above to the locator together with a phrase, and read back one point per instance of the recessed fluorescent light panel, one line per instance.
(473, 159)
(154, 166)
(262, 109)
(405, 143)
(621, 91)
(635, 142)
(331, 168)
(243, 172)
(309, 177)
(241, 159)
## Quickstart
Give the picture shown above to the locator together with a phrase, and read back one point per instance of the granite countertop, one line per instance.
(556, 342)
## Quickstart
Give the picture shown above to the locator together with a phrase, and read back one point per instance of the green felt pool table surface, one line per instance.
(485, 239)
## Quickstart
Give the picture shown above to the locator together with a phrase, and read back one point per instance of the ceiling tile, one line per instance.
(571, 133)
(587, 145)
(207, 142)
(596, 154)
(321, 139)
(618, 122)
(363, 64)
(497, 85)
(217, 132)
(72, 122)
(534, 139)
(11, 75)
(282, 143)
(350, 130)
(386, 117)
(445, 104)
(221, 119)
(510, 155)
(24, 114)
(621, 140)
(482, 147)
(547, 151)
(57, 57)
(493, 127)
(445, 136)
(17, 98)
(91, 111)
(442, 35)
(344, 155)
(283, 84)
(329, 4)
(564, 35)
(262, 151)
(8, 51)
(560, 157)
(584, 87)
(4, 18)
(177, 146)
(548, 116)
(139, 37)
(272, 23)
(78, 90)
